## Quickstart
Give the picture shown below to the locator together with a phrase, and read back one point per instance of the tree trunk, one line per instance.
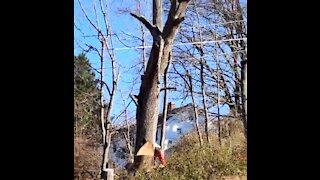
(195, 109)
(107, 125)
(244, 94)
(218, 103)
(204, 102)
(105, 128)
(105, 157)
(157, 13)
(240, 29)
(147, 110)
(165, 104)
(237, 87)
(144, 59)
(202, 62)
(148, 98)
(127, 137)
(102, 110)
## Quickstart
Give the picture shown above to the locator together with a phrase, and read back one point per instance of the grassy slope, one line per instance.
(189, 161)
(186, 161)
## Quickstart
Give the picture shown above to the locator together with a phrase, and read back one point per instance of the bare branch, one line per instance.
(96, 14)
(121, 41)
(90, 48)
(168, 88)
(131, 35)
(155, 32)
(104, 16)
(87, 17)
(78, 28)
(134, 98)
(123, 111)
(105, 85)
(96, 70)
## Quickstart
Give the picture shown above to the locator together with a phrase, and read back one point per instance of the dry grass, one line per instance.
(187, 160)
(87, 159)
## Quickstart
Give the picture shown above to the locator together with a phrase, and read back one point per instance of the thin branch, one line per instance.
(168, 88)
(90, 48)
(77, 28)
(125, 109)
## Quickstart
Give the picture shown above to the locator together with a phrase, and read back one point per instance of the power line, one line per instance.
(190, 58)
(216, 24)
(182, 28)
(181, 44)
(218, 54)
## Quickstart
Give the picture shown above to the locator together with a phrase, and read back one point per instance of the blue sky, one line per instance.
(121, 22)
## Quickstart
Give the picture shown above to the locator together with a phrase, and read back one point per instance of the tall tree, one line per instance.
(104, 49)
(148, 98)
(86, 102)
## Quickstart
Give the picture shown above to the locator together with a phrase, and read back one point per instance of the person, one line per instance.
(159, 153)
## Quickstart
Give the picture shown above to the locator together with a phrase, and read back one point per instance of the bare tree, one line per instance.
(202, 62)
(229, 34)
(232, 11)
(104, 36)
(148, 98)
